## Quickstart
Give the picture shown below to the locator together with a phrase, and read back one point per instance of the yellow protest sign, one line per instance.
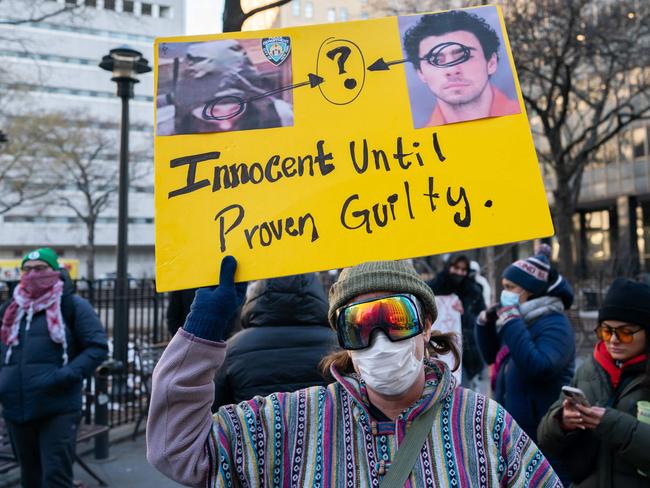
(319, 147)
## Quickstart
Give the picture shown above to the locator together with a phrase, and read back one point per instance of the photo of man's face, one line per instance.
(459, 70)
(460, 83)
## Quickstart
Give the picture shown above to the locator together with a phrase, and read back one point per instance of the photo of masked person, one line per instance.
(219, 86)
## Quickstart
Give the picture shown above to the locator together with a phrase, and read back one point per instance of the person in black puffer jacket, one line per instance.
(286, 334)
(51, 339)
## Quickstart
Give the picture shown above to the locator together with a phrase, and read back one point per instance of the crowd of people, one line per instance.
(275, 383)
(385, 410)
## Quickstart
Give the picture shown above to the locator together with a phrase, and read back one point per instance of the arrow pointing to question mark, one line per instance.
(313, 81)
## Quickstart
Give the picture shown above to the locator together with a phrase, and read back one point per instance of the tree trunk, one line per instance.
(233, 16)
(490, 271)
(90, 251)
(563, 220)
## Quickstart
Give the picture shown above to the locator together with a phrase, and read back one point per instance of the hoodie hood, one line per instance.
(560, 288)
(287, 301)
(68, 284)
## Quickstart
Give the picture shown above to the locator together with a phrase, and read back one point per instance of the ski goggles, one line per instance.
(398, 316)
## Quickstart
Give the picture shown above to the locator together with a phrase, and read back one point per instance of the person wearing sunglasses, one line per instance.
(455, 54)
(601, 442)
(394, 412)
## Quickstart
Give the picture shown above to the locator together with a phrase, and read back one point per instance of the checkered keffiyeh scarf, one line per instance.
(23, 306)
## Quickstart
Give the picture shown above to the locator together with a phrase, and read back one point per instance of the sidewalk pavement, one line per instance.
(126, 467)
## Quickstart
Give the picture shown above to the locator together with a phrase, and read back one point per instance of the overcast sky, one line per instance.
(203, 16)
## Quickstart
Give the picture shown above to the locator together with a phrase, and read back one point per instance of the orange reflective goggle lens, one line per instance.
(623, 334)
(396, 315)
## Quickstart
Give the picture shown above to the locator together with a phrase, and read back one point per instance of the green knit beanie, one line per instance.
(43, 254)
(377, 276)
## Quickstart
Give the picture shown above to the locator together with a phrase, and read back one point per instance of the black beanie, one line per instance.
(627, 301)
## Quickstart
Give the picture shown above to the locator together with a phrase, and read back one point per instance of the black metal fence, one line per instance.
(127, 391)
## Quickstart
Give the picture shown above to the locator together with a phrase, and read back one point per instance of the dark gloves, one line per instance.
(213, 308)
(488, 316)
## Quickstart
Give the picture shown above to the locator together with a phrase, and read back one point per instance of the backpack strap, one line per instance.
(68, 311)
(409, 450)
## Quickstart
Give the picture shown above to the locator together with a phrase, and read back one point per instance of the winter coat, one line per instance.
(327, 436)
(180, 302)
(540, 361)
(610, 455)
(35, 383)
(285, 336)
(471, 296)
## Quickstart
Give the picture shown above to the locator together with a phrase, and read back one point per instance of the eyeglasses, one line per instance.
(39, 268)
(447, 54)
(625, 334)
(398, 316)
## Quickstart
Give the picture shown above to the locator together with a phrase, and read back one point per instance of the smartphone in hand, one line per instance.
(576, 395)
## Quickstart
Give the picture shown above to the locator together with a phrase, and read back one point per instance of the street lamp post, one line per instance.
(125, 64)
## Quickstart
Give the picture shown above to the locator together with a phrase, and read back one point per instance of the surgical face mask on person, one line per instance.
(509, 298)
(36, 283)
(389, 368)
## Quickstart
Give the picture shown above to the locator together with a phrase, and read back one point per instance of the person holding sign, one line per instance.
(394, 411)
(455, 54)
(600, 432)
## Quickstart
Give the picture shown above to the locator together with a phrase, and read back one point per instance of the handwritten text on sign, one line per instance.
(317, 165)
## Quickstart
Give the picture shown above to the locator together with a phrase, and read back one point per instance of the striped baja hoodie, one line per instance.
(325, 436)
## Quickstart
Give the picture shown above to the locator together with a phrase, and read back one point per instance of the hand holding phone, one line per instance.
(576, 395)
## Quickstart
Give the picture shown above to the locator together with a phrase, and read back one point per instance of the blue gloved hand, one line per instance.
(213, 309)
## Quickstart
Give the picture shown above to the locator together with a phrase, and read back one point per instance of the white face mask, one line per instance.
(389, 368)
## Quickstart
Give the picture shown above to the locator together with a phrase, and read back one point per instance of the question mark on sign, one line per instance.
(343, 53)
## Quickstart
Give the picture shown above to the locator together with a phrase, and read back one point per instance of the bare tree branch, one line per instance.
(79, 162)
(42, 17)
(262, 8)
(234, 16)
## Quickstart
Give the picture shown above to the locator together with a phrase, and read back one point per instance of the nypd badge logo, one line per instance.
(276, 49)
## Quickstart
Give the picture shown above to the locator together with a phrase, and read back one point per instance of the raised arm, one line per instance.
(180, 421)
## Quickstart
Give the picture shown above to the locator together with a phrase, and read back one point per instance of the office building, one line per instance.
(54, 61)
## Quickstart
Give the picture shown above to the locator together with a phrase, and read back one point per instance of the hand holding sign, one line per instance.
(213, 309)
